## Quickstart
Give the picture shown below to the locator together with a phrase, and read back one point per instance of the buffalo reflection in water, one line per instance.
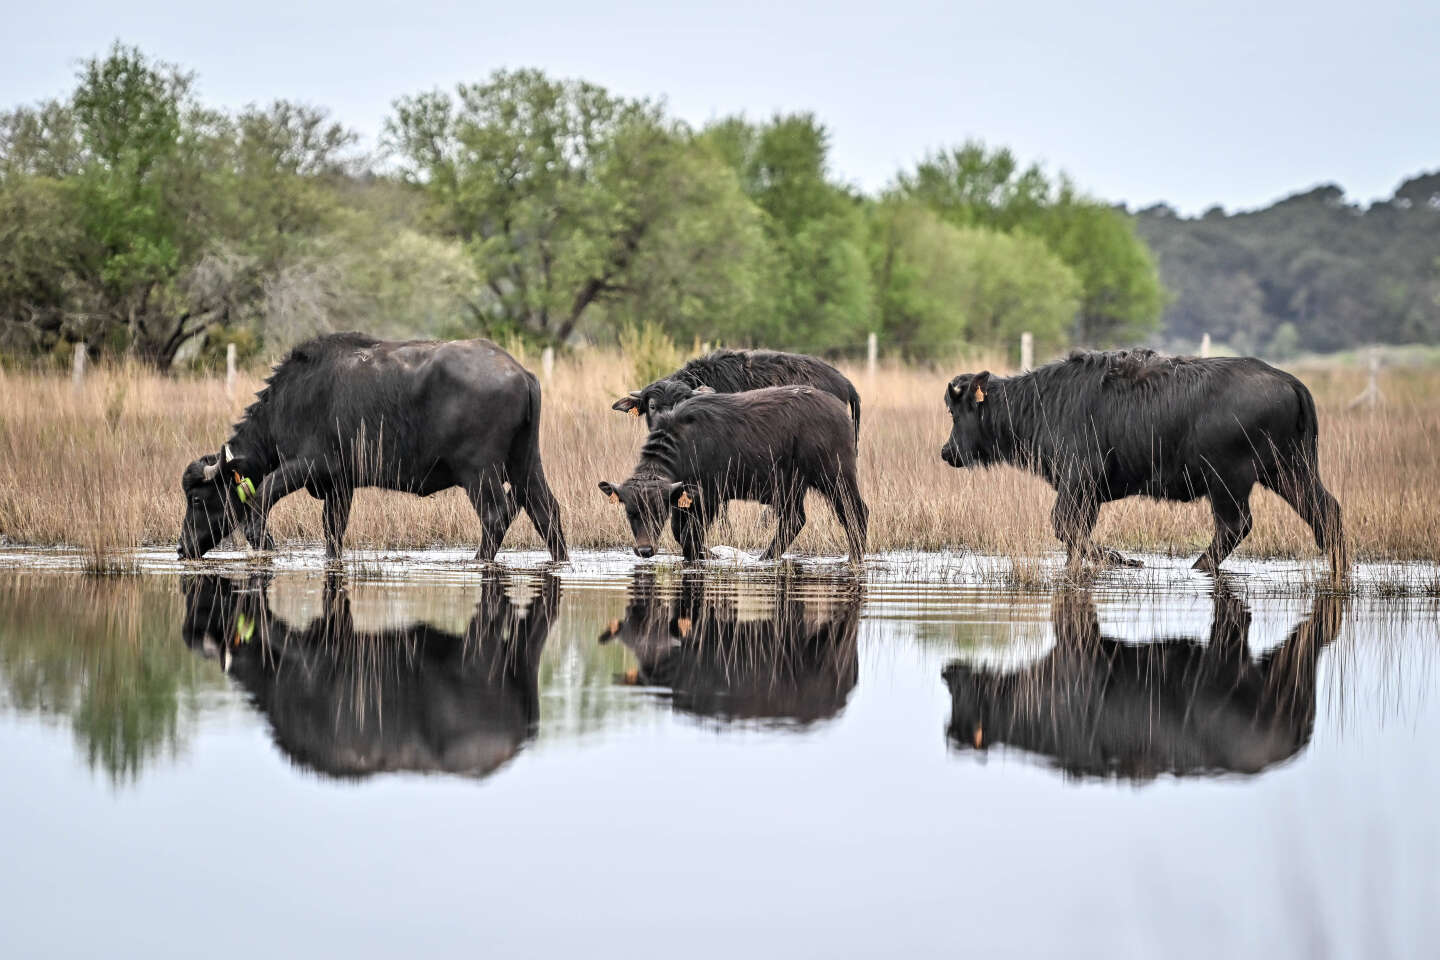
(352, 703)
(1096, 706)
(787, 660)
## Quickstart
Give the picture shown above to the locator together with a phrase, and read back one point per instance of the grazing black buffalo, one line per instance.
(769, 445)
(1101, 707)
(351, 703)
(347, 410)
(734, 371)
(791, 662)
(1104, 426)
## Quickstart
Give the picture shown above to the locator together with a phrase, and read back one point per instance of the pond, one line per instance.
(413, 757)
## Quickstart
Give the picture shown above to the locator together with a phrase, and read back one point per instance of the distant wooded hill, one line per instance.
(1311, 272)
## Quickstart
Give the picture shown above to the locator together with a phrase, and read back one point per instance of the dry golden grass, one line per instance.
(99, 468)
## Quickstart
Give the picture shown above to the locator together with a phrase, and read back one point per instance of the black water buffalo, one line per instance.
(792, 662)
(1104, 426)
(769, 445)
(351, 703)
(734, 371)
(347, 410)
(1101, 707)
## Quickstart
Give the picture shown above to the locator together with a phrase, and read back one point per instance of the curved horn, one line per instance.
(210, 470)
(225, 456)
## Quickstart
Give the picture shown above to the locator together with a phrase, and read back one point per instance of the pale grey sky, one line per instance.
(1235, 103)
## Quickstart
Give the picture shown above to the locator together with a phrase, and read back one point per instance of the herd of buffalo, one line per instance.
(348, 410)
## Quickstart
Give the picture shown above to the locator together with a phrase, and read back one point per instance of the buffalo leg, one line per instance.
(1232, 524)
(337, 518)
(1073, 517)
(543, 510)
(496, 507)
(1319, 508)
(853, 515)
(689, 531)
(279, 483)
(791, 512)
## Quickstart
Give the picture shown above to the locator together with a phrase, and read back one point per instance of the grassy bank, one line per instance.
(99, 468)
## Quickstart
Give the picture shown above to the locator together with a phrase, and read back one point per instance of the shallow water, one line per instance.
(619, 759)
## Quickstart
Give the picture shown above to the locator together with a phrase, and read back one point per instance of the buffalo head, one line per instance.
(965, 399)
(658, 397)
(218, 492)
(648, 502)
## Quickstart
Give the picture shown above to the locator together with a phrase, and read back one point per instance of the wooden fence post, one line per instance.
(547, 363)
(1027, 352)
(230, 370)
(1205, 345)
(1371, 395)
(77, 367)
(872, 353)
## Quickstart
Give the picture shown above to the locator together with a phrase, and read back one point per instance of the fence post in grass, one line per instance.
(1205, 345)
(229, 369)
(872, 353)
(547, 363)
(77, 367)
(1371, 395)
(1027, 352)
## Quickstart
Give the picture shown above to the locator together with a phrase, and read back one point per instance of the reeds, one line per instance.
(98, 468)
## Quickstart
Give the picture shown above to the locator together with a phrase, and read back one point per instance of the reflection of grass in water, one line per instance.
(107, 655)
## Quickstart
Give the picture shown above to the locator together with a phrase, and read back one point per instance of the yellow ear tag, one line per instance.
(614, 498)
(244, 629)
(244, 487)
(979, 395)
(683, 625)
(684, 501)
(634, 411)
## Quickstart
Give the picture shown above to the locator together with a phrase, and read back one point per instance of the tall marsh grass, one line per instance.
(99, 468)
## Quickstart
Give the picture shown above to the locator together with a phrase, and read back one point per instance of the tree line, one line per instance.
(137, 220)
(1310, 272)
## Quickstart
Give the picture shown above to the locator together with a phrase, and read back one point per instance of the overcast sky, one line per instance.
(1138, 102)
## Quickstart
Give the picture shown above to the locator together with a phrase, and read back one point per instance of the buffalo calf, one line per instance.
(769, 445)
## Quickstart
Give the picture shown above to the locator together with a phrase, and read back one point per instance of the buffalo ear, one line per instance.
(630, 404)
(978, 385)
(683, 496)
(610, 490)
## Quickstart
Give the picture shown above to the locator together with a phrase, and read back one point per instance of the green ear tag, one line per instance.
(244, 629)
(245, 488)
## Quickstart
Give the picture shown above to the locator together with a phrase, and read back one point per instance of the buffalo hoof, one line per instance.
(1204, 565)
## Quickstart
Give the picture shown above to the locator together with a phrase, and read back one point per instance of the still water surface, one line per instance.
(774, 761)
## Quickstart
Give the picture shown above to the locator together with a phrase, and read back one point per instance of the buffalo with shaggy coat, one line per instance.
(734, 371)
(346, 411)
(770, 446)
(1104, 426)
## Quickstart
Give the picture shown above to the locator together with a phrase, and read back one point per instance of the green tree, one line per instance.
(555, 188)
(1121, 295)
(141, 222)
(942, 287)
(820, 295)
